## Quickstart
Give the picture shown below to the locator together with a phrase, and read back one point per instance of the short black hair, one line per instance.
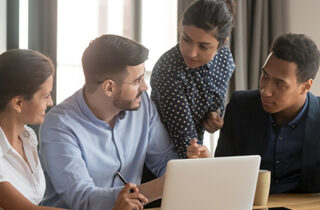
(215, 16)
(299, 49)
(22, 72)
(109, 55)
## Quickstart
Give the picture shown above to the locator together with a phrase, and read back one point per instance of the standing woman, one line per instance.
(26, 79)
(189, 82)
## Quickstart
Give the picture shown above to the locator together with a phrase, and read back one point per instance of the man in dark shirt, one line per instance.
(281, 121)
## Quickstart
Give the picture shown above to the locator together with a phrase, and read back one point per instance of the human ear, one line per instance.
(306, 86)
(108, 87)
(17, 103)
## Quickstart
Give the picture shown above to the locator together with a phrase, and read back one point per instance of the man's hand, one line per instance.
(129, 198)
(213, 123)
(195, 150)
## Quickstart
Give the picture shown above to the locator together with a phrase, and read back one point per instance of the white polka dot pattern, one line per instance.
(184, 97)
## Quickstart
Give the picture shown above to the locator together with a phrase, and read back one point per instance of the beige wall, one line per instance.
(304, 17)
(3, 25)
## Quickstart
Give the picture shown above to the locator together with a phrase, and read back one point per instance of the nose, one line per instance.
(50, 102)
(266, 90)
(144, 86)
(192, 51)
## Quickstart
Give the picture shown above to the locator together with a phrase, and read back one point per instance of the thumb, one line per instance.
(203, 148)
(193, 141)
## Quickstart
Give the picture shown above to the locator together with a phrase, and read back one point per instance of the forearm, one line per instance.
(12, 199)
(31, 206)
(181, 147)
(152, 190)
(174, 111)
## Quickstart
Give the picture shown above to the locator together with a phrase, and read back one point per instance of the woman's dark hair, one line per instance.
(301, 50)
(109, 55)
(214, 16)
(21, 74)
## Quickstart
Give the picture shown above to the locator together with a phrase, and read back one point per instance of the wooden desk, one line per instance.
(291, 201)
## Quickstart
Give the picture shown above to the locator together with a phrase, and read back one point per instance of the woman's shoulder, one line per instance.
(224, 59)
(170, 67)
(171, 59)
(171, 53)
(224, 53)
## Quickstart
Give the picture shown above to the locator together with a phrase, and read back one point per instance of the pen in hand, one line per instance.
(125, 182)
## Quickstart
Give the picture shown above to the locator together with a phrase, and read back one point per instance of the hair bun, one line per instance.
(231, 6)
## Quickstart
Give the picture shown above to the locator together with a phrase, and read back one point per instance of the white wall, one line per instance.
(304, 17)
(3, 25)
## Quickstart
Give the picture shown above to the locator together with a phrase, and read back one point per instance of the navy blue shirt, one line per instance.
(184, 97)
(283, 153)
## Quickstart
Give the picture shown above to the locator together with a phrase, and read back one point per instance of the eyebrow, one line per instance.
(140, 75)
(203, 43)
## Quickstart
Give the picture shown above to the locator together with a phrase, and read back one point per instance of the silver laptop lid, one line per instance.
(224, 183)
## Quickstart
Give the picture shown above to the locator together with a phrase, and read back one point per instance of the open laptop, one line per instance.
(224, 183)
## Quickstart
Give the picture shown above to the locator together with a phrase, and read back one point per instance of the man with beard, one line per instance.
(108, 126)
(281, 121)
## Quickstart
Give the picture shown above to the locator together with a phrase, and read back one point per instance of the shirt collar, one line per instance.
(210, 63)
(4, 144)
(293, 123)
(27, 136)
(300, 115)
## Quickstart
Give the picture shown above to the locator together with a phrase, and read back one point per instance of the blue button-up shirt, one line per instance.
(283, 153)
(81, 154)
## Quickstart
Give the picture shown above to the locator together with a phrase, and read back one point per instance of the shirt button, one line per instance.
(280, 138)
(293, 126)
(26, 134)
(277, 162)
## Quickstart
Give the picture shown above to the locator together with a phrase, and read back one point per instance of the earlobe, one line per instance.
(307, 86)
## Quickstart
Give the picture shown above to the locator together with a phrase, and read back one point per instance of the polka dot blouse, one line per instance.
(184, 97)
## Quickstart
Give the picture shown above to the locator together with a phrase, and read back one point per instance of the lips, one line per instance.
(191, 61)
(266, 101)
(138, 98)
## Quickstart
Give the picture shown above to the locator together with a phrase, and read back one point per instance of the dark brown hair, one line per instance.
(21, 74)
(214, 16)
(109, 55)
